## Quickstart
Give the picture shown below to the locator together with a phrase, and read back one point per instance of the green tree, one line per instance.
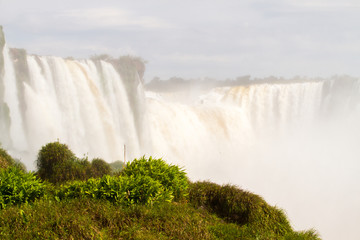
(56, 163)
(99, 168)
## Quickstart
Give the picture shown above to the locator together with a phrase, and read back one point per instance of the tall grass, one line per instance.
(258, 219)
(99, 219)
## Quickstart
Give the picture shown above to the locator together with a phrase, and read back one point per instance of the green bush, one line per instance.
(99, 168)
(5, 159)
(125, 190)
(170, 176)
(55, 163)
(143, 181)
(241, 207)
(117, 167)
(18, 187)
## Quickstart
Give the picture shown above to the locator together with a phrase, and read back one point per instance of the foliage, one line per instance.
(99, 168)
(170, 176)
(57, 164)
(302, 235)
(240, 207)
(5, 159)
(124, 190)
(98, 219)
(136, 204)
(128, 64)
(117, 167)
(18, 187)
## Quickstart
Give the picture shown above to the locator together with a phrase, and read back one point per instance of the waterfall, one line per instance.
(293, 142)
(83, 103)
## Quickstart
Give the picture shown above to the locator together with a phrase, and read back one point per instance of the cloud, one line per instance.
(197, 58)
(328, 4)
(87, 19)
(109, 18)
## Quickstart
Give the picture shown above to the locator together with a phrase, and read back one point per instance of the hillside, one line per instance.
(148, 199)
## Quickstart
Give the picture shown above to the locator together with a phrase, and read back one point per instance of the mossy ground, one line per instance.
(118, 206)
(95, 219)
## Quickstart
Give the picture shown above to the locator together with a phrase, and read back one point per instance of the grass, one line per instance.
(99, 219)
(85, 218)
(149, 199)
(96, 219)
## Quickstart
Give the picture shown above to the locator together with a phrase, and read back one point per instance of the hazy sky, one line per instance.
(195, 38)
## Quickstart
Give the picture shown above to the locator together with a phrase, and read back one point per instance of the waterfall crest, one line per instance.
(84, 103)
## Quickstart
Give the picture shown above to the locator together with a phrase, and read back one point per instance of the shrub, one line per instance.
(18, 164)
(55, 162)
(5, 159)
(126, 190)
(241, 207)
(131, 190)
(99, 168)
(69, 171)
(171, 177)
(18, 187)
(117, 167)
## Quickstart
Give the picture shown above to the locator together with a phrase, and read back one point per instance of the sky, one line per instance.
(195, 38)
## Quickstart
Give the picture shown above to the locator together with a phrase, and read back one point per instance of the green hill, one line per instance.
(148, 199)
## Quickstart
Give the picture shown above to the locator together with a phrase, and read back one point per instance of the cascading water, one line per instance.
(82, 103)
(295, 143)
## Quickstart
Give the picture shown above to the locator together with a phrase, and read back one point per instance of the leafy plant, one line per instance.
(125, 190)
(18, 187)
(170, 176)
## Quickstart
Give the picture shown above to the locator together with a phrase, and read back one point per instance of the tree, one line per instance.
(55, 162)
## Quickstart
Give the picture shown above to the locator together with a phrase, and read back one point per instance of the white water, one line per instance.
(74, 102)
(10, 98)
(296, 144)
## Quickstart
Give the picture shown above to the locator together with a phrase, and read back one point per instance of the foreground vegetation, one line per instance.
(148, 199)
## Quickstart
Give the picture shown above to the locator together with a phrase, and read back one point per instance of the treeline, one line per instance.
(126, 65)
(174, 84)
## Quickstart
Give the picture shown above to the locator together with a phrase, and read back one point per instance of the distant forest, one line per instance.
(180, 84)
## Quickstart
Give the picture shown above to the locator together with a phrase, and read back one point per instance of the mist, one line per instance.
(294, 142)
